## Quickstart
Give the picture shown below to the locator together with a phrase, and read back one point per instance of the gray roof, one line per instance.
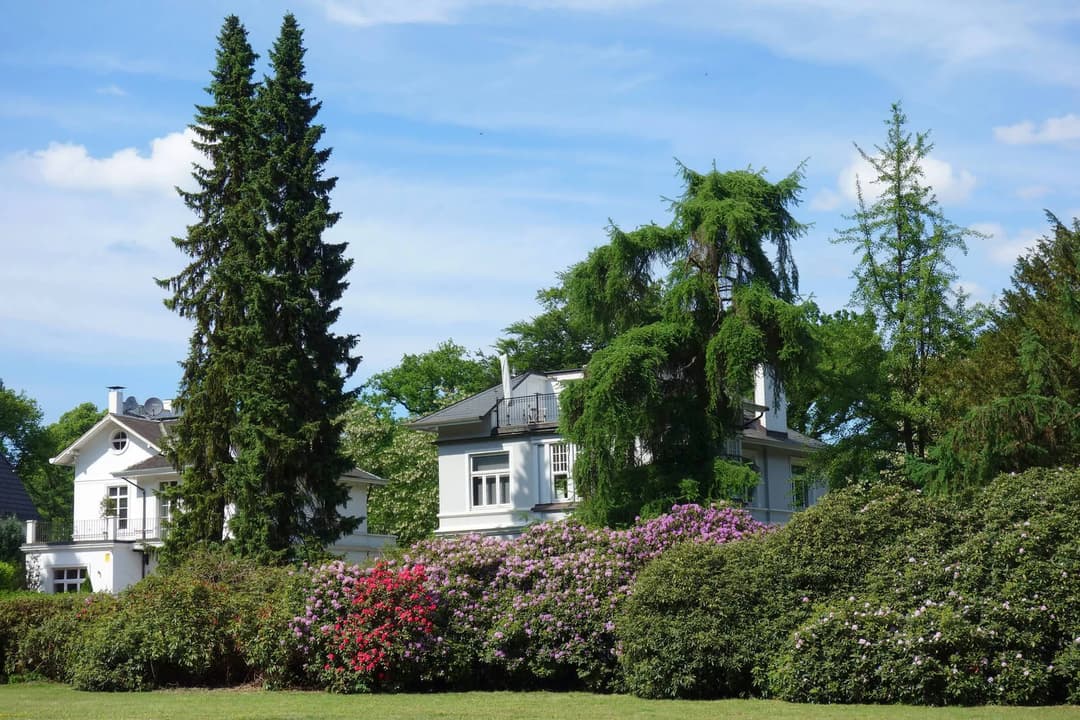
(152, 430)
(154, 462)
(472, 408)
(793, 439)
(13, 497)
(358, 474)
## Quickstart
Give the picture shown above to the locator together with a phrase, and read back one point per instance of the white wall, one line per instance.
(456, 513)
(110, 567)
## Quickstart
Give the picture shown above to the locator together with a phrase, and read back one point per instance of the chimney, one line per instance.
(767, 392)
(116, 399)
(504, 366)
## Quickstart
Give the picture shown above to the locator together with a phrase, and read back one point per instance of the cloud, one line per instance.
(951, 185)
(971, 289)
(70, 166)
(1053, 130)
(113, 90)
(369, 13)
(1031, 192)
(1000, 246)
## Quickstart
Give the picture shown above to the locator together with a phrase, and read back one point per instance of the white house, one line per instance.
(120, 516)
(503, 464)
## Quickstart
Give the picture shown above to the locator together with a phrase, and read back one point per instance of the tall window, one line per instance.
(490, 479)
(562, 467)
(800, 487)
(165, 504)
(68, 580)
(118, 505)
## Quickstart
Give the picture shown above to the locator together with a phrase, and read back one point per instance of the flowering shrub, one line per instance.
(536, 610)
(381, 629)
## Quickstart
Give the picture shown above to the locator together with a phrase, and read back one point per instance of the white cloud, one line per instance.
(368, 13)
(951, 185)
(1031, 192)
(1000, 246)
(971, 289)
(70, 166)
(113, 90)
(1053, 130)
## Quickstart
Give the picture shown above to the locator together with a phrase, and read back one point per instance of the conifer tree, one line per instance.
(293, 381)
(903, 280)
(678, 353)
(221, 246)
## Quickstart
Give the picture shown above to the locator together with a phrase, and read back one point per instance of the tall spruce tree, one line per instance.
(664, 394)
(903, 279)
(293, 381)
(222, 246)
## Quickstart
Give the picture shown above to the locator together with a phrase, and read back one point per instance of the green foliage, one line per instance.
(903, 278)
(263, 385)
(677, 355)
(1019, 392)
(19, 613)
(408, 505)
(11, 576)
(556, 339)
(425, 382)
(12, 535)
(706, 621)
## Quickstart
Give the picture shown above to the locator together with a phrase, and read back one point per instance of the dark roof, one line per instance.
(473, 407)
(13, 497)
(793, 439)
(152, 430)
(154, 462)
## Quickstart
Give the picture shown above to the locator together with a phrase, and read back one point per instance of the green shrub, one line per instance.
(706, 622)
(21, 611)
(10, 577)
(48, 649)
(212, 620)
(984, 609)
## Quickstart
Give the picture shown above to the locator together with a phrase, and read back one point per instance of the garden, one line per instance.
(880, 594)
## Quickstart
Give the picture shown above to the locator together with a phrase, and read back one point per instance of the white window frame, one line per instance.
(118, 500)
(68, 579)
(489, 487)
(561, 456)
(166, 506)
(119, 441)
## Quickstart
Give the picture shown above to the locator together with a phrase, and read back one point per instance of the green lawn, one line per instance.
(43, 700)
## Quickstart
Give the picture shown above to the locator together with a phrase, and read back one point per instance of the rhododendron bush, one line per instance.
(538, 610)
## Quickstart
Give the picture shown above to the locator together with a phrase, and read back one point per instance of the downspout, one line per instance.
(765, 477)
(145, 557)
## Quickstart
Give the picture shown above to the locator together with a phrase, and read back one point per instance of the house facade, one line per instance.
(120, 513)
(503, 464)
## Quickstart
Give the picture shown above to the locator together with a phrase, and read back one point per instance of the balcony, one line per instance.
(527, 410)
(40, 532)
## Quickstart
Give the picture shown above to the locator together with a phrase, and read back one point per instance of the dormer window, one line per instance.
(119, 441)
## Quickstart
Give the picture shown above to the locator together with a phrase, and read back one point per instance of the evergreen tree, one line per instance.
(662, 397)
(903, 280)
(222, 246)
(293, 396)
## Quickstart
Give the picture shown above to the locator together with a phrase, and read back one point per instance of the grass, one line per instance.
(41, 700)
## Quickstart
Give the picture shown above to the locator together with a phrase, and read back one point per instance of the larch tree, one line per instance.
(289, 497)
(903, 280)
(210, 291)
(684, 314)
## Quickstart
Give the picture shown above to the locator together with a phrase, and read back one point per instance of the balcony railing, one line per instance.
(528, 410)
(97, 530)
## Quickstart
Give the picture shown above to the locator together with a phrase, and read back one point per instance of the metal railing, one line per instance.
(96, 530)
(528, 410)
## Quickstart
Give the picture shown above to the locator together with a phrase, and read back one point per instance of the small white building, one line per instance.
(120, 515)
(503, 464)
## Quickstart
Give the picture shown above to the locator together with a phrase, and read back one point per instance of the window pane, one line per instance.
(478, 491)
(504, 488)
(482, 463)
(490, 489)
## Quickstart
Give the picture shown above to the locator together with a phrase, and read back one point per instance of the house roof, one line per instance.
(791, 439)
(149, 431)
(153, 465)
(13, 497)
(471, 409)
(364, 476)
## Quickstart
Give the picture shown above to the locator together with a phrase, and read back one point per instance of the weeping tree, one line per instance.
(683, 315)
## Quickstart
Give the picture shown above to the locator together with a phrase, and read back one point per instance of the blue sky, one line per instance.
(483, 145)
